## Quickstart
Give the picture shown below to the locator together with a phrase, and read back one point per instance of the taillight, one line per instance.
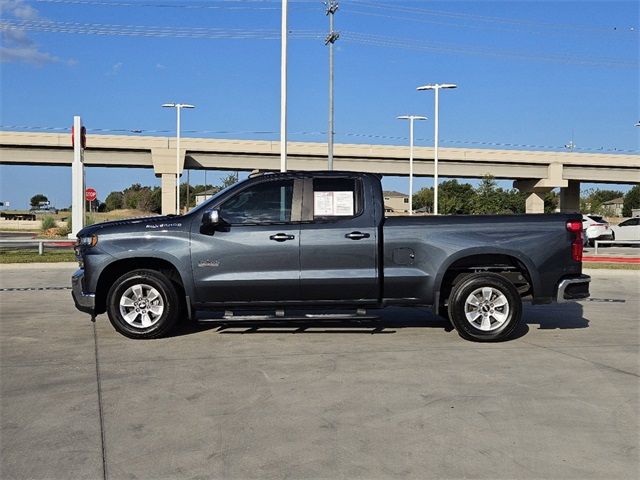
(575, 227)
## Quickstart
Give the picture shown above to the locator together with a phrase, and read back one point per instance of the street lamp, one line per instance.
(283, 85)
(436, 87)
(411, 118)
(178, 107)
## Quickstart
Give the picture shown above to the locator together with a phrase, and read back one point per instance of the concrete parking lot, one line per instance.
(404, 397)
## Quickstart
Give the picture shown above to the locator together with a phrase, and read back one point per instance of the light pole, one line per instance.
(283, 88)
(178, 107)
(436, 87)
(411, 118)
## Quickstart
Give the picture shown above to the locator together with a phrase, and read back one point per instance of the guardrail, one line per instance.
(40, 243)
(613, 242)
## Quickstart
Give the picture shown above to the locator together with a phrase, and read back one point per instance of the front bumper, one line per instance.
(573, 288)
(85, 302)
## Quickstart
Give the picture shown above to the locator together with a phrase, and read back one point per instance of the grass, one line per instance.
(31, 256)
(611, 266)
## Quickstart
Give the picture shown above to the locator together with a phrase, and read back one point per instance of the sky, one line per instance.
(531, 75)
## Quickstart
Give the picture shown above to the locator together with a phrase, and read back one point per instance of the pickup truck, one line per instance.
(319, 241)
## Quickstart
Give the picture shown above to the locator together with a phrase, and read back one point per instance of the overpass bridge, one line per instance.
(534, 172)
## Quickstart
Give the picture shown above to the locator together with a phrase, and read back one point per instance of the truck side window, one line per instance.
(335, 198)
(266, 202)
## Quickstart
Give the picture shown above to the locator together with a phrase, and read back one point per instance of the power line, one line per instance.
(222, 4)
(490, 19)
(437, 47)
(148, 31)
(354, 37)
(530, 29)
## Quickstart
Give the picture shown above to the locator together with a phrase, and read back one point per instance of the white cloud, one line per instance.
(16, 45)
(18, 9)
(160, 66)
(27, 55)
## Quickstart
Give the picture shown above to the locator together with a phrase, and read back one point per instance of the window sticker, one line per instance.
(333, 204)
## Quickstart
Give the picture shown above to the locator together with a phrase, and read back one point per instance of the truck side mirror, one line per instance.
(211, 218)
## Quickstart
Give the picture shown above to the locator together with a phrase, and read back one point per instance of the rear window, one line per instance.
(597, 218)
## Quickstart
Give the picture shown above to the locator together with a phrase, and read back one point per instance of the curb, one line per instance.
(632, 260)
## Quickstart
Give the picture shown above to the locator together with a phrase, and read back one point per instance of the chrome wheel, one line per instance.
(141, 306)
(486, 308)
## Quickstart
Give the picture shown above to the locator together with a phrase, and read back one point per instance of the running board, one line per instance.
(280, 316)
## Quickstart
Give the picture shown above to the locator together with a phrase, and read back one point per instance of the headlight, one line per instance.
(88, 241)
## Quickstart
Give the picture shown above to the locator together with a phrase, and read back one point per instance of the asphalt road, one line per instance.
(401, 398)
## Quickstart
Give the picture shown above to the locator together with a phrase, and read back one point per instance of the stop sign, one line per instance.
(90, 194)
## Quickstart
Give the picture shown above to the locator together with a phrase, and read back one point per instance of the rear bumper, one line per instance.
(573, 288)
(85, 302)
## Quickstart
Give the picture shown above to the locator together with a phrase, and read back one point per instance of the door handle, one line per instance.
(281, 237)
(357, 235)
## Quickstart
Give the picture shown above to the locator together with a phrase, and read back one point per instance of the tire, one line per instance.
(495, 301)
(143, 304)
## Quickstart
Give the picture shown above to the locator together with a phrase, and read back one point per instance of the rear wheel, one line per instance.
(485, 307)
(143, 304)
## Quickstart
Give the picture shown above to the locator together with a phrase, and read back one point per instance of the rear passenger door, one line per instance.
(338, 241)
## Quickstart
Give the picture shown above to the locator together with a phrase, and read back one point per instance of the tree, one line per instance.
(488, 198)
(37, 199)
(631, 201)
(592, 200)
(229, 180)
(455, 198)
(114, 201)
(423, 198)
(551, 201)
(140, 198)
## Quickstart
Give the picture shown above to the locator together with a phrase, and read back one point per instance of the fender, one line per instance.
(471, 252)
(182, 266)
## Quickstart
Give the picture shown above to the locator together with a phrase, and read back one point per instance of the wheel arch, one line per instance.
(472, 260)
(111, 272)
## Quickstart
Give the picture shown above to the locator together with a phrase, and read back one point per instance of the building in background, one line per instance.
(396, 202)
(613, 208)
(206, 195)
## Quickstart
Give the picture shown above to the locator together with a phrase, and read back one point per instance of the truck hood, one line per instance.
(134, 224)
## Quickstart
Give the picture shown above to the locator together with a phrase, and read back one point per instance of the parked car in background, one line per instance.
(627, 230)
(595, 228)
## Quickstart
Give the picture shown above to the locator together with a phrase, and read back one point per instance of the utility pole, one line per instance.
(332, 8)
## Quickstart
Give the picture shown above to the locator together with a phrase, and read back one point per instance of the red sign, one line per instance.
(90, 194)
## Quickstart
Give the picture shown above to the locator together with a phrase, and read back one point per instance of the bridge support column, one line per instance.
(537, 189)
(570, 197)
(164, 166)
(168, 197)
(535, 202)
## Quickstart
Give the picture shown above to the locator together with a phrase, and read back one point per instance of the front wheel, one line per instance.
(143, 304)
(485, 307)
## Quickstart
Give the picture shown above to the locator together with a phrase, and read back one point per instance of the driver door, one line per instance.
(252, 255)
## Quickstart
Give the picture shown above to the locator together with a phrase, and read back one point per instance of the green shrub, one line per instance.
(64, 231)
(48, 222)
(89, 220)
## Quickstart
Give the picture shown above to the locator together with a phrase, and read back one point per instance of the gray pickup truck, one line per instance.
(319, 241)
